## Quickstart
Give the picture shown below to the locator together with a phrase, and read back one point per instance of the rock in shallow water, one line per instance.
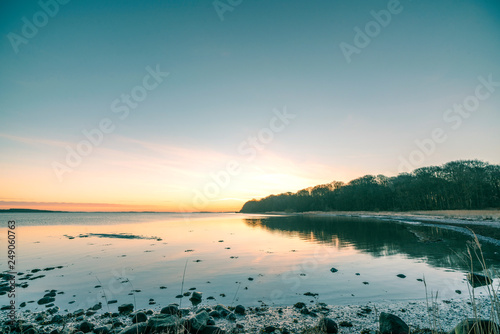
(46, 300)
(477, 280)
(126, 308)
(391, 324)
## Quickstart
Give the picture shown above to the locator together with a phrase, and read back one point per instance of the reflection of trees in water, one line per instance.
(438, 247)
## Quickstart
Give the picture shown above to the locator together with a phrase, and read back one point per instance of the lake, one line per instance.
(150, 258)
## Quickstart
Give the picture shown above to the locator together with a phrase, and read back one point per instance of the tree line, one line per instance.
(462, 184)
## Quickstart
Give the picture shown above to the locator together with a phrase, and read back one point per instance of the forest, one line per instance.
(462, 184)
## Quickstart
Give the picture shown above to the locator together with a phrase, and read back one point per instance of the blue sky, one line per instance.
(225, 79)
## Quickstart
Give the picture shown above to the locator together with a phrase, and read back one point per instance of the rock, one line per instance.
(391, 324)
(211, 322)
(239, 309)
(327, 325)
(102, 330)
(113, 301)
(165, 323)
(86, 326)
(477, 280)
(231, 316)
(334, 270)
(401, 276)
(269, 329)
(50, 294)
(222, 310)
(30, 331)
(117, 323)
(97, 307)
(474, 326)
(139, 317)
(53, 310)
(215, 314)
(170, 309)
(299, 305)
(57, 319)
(90, 313)
(345, 324)
(78, 312)
(212, 330)
(126, 308)
(196, 298)
(46, 300)
(197, 322)
(140, 328)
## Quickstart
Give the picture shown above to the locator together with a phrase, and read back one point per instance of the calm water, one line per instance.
(234, 258)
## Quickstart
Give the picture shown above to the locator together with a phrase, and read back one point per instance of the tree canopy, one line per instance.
(462, 184)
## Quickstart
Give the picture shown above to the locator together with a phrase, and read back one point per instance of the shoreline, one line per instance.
(364, 318)
(484, 223)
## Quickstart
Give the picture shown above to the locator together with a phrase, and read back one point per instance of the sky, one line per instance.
(203, 105)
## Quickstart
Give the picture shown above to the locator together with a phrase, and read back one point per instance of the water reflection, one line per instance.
(438, 247)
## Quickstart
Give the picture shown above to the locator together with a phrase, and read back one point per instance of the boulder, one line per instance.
(195, 298)
(102, 329)
(477, 280)
(197, 322)
(327, 325)
(391, 324)
(140, 328)
(170, 324)
(212, 330)
(86, 327)
(170, 309)
(222, 310)
(57, 319)
(239, 309)
(126, 308)
(139, 317)
(476, 326)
